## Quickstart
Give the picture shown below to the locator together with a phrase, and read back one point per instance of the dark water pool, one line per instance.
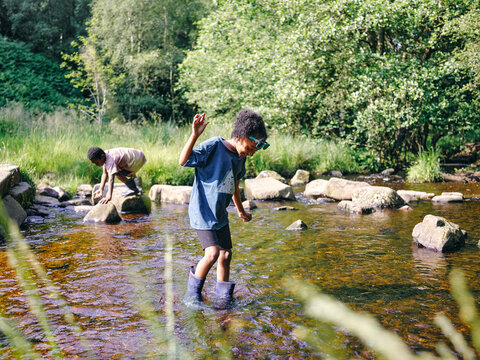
(366, 261)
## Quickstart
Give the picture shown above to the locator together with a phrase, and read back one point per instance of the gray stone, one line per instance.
(9, 177)
(23, 193)
(448, 197)
(439, 234)
(298, 225)
(378, 197)
(405, 208)
(354, 208)
(46, 190)
(411, 195)
(170, 194)
(284, 208)
(46, 200)
(34, 219)
(301, 177)
(387, 172)
(84, 190)
(316, 188)
(76, 202)
(62, 194)
(14, 209)
(334, 173)
(134, 204)
(249, 205)
(271, 174)
(342, 189)
(267, 189)
(105, 213)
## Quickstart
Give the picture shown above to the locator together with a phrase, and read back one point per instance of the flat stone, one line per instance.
(268, 189)
(354, 208)
(284, 208)
(170, 194)
(46, 200)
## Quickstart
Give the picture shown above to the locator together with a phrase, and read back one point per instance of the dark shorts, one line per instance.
(124, 172)
(220, 237)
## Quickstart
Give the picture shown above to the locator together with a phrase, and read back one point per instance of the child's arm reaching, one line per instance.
(99, 192)
(237, 200)
(198, 126)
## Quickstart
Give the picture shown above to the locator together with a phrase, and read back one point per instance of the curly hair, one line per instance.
(94, 153)
(249, 123)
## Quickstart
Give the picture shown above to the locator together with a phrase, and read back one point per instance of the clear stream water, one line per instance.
(366, 261)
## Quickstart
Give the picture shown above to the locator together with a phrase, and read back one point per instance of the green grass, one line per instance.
(52, 148)
(426, 168)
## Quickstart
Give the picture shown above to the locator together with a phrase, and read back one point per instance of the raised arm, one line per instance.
(198, 126)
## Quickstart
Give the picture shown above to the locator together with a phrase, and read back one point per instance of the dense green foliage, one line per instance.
(64, 137)
(381, 74)
(48, 26)
(32, 79)
(389, 78)
(130, 56)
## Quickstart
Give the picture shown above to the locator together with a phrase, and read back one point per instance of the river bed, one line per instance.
(366, 261)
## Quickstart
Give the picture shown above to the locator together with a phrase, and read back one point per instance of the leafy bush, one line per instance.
(32, 79)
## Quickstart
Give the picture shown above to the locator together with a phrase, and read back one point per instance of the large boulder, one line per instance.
(316, 188)
(9, 177)
(342, 189)
(134, 204)
(170, 194)
(439, 234)
(23, 193)
(105, 213)
(14, 209)
(411, 195)
(378, 197)
(268, 189)
(301, 177)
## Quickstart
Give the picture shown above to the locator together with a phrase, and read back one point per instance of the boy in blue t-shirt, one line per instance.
(219, 165)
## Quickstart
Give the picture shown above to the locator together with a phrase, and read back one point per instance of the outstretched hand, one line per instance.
(199, 124)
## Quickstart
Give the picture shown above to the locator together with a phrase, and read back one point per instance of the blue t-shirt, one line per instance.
(217, 170)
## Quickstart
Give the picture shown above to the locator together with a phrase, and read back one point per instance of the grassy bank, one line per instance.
(52, 147)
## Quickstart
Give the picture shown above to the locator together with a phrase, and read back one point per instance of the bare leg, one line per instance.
(206, 263)
(223, 267)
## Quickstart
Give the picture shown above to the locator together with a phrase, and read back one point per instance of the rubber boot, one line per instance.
(133, 190)
(224, 294)
(193, 296)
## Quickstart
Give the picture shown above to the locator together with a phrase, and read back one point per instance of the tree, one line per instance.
(376, 72)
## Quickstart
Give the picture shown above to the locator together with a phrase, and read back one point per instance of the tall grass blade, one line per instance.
(456, 338)
(21, 347)
(467, 305)
(364, 326)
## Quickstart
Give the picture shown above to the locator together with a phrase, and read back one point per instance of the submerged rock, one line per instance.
(439, 234)
(298, 225)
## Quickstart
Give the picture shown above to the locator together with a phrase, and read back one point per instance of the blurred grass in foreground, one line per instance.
(384, 343)
(52, 148)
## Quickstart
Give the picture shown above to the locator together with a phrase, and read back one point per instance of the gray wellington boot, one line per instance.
(132, 188)
(224, 294)
(193, 296)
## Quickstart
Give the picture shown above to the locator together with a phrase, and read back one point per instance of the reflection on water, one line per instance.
(367, 261)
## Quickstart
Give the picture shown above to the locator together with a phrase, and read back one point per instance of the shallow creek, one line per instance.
(366, 261)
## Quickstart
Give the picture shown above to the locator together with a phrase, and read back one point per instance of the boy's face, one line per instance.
(99, 162)
(245, 147)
